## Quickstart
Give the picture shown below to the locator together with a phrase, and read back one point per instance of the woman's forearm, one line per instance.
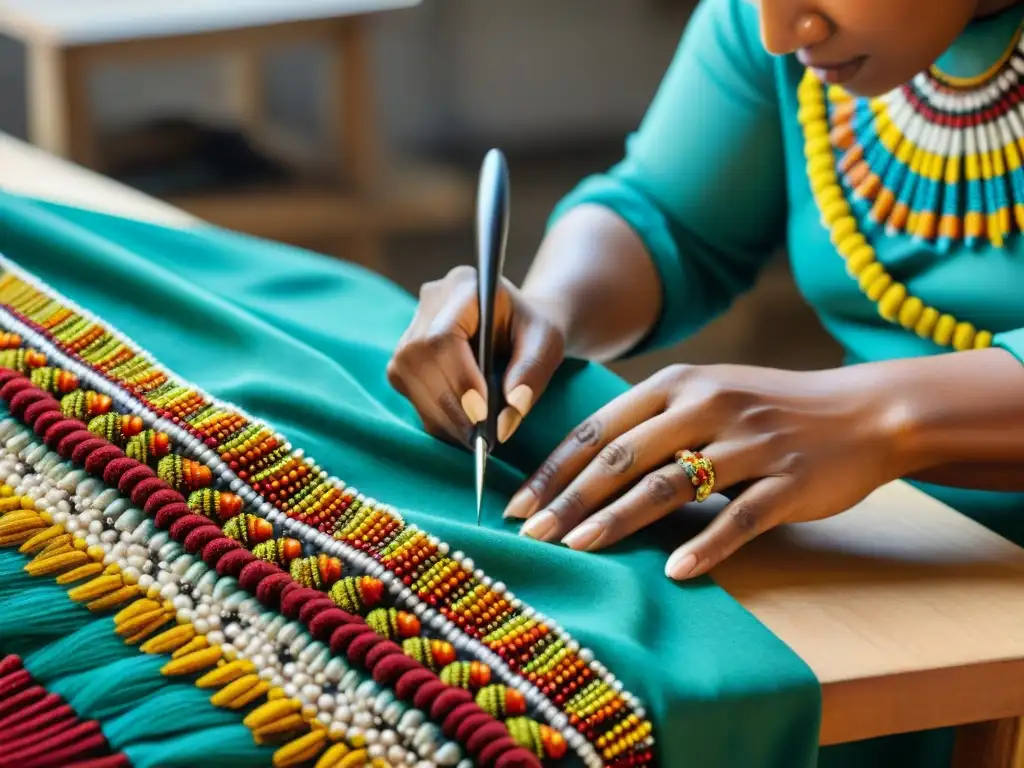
(593, 276)
(954, 410)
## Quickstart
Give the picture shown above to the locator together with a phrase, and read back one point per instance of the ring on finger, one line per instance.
(701, 471)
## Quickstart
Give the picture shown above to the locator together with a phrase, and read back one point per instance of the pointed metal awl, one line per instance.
(492, 212)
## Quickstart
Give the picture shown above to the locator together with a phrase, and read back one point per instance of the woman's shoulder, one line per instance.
(726, 34)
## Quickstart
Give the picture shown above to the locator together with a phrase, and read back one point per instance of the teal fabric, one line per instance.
(302, 341)
(714, 181)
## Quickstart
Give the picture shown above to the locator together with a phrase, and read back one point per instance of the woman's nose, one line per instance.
(789, 25)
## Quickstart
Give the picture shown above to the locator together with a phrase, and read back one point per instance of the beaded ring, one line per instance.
(700, 470)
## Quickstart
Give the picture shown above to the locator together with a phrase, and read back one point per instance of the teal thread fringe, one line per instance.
(228, 747)
(36, 616)
(180, 708)
(89, 647)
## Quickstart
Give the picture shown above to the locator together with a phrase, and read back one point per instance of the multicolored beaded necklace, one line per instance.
(938, 159)
(344, 634)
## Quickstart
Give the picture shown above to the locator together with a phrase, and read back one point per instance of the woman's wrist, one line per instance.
(964, 407)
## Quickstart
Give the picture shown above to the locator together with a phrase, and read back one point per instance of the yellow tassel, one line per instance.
(192, 662)
(226, 673)
(279, 727)
(275, 693)
(267, 713)
(302, 749)
(61, 562)
(54, 549)
(41, 539)
(344, 759)
(85, 572)
(169, 640)
(141, 627)
(114, 599)
(64, 540)
(98, 587)
(239, 690)
(20, 531)
(137, 608)
(9, 504)
(333, 756)
(197, 643)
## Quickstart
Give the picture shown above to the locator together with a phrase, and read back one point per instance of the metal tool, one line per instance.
(492, 208)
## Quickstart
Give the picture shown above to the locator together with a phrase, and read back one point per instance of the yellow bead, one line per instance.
(910, 312)
(963, 336)
(926, 323)
(879, 286)
(983, 340)
(843, 228)
(860, 260)
(943, 332)
(891, 301)
(871, 272)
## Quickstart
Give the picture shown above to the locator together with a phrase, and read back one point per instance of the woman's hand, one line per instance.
(801, 446)
(435, 364)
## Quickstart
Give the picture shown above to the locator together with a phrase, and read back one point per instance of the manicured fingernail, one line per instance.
(584, 537)
(521, 506)
(680, 565)
(475, 406)
(508, 422)
(539, 526)
(521, 398)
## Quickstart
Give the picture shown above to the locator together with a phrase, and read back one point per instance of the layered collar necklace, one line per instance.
(939, 159)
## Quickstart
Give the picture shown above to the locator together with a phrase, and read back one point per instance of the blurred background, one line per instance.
(356, 127)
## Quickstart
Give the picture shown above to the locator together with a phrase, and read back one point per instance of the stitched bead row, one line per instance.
(257, 461)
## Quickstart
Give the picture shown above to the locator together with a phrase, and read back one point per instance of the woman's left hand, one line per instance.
(801, 445)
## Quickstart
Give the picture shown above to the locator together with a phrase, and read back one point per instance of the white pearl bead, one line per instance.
(202, 627)
(215, 637)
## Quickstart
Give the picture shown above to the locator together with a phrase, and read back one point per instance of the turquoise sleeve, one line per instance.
(1012, 342)
(703, 179)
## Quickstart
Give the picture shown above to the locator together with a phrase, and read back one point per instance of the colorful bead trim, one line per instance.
(209, 587)
(570, 690)
(38, 728)
(894, 303)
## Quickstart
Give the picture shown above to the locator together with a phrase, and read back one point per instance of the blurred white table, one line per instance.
(67, 40)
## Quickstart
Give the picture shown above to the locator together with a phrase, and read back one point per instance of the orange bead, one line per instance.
(230, 505)
(34, 359)
(553, 741)
(290, 549)
(260, 530)
(97, 404)
(444, 652)
(408, 624)
(479, 674)
(330, 569)
(515, 703)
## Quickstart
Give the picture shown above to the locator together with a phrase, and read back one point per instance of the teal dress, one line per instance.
(302, 341)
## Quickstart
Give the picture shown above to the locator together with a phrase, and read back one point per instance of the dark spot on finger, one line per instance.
(588, 433)
(661, 488)
(617, 458)
(541, 479)
(569, 503)
(744, 519)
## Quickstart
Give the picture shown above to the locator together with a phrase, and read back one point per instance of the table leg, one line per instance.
(354, 133)
(60, 120)
(995, 744)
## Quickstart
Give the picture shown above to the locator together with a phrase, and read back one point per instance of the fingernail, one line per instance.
(584, 537)
(475, 406)
(521, 398)
(539, 526)
(508, 422)
(521, 505)
(680, 565)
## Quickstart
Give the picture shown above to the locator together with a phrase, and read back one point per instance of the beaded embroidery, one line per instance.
(233, 494)
(938, 159)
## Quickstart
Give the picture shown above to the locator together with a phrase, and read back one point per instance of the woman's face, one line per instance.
(867, 46)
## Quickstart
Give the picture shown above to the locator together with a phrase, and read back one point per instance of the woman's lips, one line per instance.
(832, 73)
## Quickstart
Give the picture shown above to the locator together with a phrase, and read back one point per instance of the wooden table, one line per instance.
(910, 614)
(68, 41)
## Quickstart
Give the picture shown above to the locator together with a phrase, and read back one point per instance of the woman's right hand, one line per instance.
(435, 366)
